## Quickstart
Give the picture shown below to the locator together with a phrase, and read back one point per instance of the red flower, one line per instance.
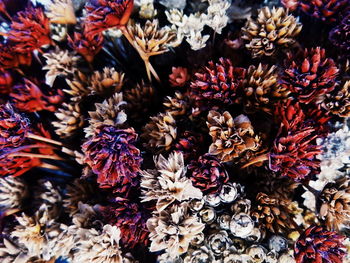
(17, 165)
(190, 144)
(340, 36)
(178, 77)
(104, 14)
(30, 30)
(6, 81)
(10, 59)
(28, 97)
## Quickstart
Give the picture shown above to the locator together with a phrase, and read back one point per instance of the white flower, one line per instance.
(216, 17)
(175, 17)
(12, 192)
(196, 40)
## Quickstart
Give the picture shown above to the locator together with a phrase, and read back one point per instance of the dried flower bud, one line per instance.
(107, 82)
(70, 120)
(257, 253)
(219, 242)
(241, 225)
(13, 191)
(208, 215)
(339, 103)
(177, 105)
(178, 77)
(61, 12)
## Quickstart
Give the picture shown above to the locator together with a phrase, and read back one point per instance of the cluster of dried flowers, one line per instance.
(174, 131)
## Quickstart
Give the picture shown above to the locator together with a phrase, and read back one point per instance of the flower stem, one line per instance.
(35, 155)
(260, 158)
(43, 139)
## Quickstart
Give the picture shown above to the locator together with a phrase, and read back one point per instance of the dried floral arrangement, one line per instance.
(170, 131)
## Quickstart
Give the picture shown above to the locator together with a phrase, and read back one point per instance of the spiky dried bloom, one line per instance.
(262, 89)
(178, 77)
(104, 14)
(309, 75)
(318, 245)
(13, 127)
(273, 213)
(13, 191)
(109, 112)
(326, 10)
(218, 84)
(130, 217)
(6, 81)
(59, 63)
(78, 86)
(173, 229)
(150, 39)
(231, 137)
(161, 132)
(274, 28)
(29, 97)
(98, 246)
(207, 174)
(70, 120)
(340, 37)
(107, 82)
(30, 29)
(16, 166)
(176, 105)
(334, 204)
(11, 252)
(61, 12)
(339, 103)
(112, 155)
(168, 182)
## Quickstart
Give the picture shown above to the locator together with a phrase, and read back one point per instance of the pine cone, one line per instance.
(218, 84)
(273, 213)
(161, 132)
(112, 156)
(13, 127)
(317, 245)
(6, 82)
(309, 75)
(334, 203)
(61, 12)
(262, 89)
(340, 37)
(208, 174)
(70, 120)
(339, 103)
(273, 29)
(231, 137)
(176, 105)
(107, 82)
(30, 30)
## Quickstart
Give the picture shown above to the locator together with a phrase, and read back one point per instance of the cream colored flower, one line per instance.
(12, 192)
(61, 12)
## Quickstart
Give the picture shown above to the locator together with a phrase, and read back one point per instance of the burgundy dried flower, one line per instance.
(13, 127)
(6, 81)
(326, 10)
(217, 84)
(317, 245)
(310, 75)
(16, 165)
(28, 97)
(104, 14)
(131, 219)
(112, 155)
(30, 30)
(207, 174)
(340, 36)
(10, 59)
(189, 143)
(178, 77)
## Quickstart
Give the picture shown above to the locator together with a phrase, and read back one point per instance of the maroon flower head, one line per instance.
(6, 81)
(112, 156)
(30, 30)
(10, 59)
(13, 127)
(309, 75)
(218, 84)
(190, 144)
(340, 36)
(104, 14)
(317, 245)
(17, 165)
(207, 174)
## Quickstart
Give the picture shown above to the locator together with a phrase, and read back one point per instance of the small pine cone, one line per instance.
(262, 89)
(273, 28)
(340, 37)
(61, 12)
(6, 82)
(117, 146)
(310, 75)
(177, 105)
(217, 85)
(273, 213)
(178, 77)
(70, 120)
(78, 86)
(107, 82)
(13, 127)
(160, 133)
(190, 144)
(231, 137)
(109, 112)
(334, 204)
(208, 174)
(317, 245)
(339, 103)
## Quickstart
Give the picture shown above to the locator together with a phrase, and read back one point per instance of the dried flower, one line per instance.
(123, 158)
(11, 252)
(200, 254)
(216, 17)
(161, 132)
(107, 82)
(339, 102)
(173, 229)
(318, 245)
(6, 81)
(30, 30)
(177, 105)
(13, 127)
(13, 191)
(78, 86)
(168, 183)
(274, 28)
(178, 77)
(207, 174)
(231, 137)
(10, 58)
(241, 225)
(59, 32)
(61, 12)
(217, 85)
(16, 166)
(190, 144)
(309, 75)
